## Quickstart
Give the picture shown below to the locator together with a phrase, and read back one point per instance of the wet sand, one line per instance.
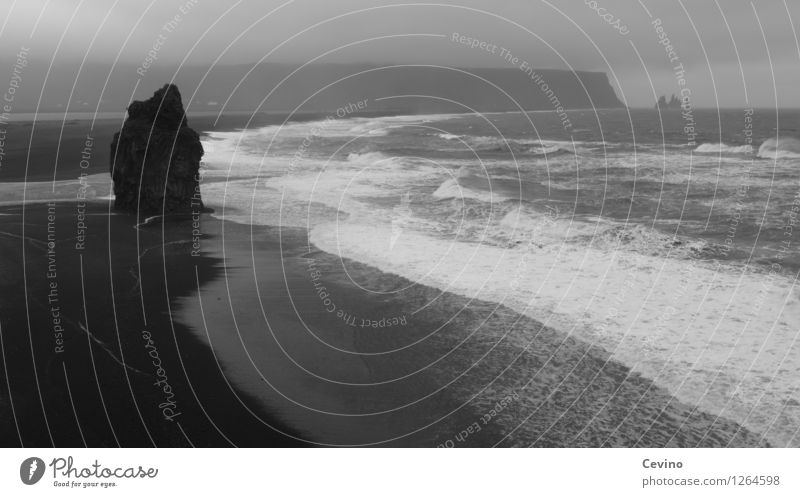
(91, 353)
(266, 341)
(361, 357)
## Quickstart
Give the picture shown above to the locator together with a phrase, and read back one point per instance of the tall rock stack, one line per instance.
(155, 158)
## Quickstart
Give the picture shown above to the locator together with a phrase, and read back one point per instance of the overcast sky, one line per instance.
(736, 53)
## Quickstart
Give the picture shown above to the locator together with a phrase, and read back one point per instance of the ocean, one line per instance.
(664, 238)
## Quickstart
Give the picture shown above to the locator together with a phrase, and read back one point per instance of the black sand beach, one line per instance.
(93, 356)
(262, 340)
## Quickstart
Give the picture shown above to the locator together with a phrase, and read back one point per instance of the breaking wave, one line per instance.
(780, 148)
(517, 145)
(722, 148)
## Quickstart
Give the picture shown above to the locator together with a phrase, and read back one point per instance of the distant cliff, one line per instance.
(483, 90)
(448, 90)
(244, 88)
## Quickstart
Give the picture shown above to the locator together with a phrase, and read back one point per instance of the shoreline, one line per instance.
(61, 143)
(110, 366)
(453, 372)
(438, 365)
(62, 136)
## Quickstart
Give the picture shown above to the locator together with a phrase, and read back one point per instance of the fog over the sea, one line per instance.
(736, 53)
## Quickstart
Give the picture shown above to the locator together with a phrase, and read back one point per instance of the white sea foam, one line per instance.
(708, 334)
(715, 336)
(780, 148)
(93, 187)
(449, 136)
(520, 145)
(722, 148)
(452, 189)
(368, 157)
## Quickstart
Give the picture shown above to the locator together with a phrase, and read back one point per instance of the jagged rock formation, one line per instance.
(673, 103)
(155, 158)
